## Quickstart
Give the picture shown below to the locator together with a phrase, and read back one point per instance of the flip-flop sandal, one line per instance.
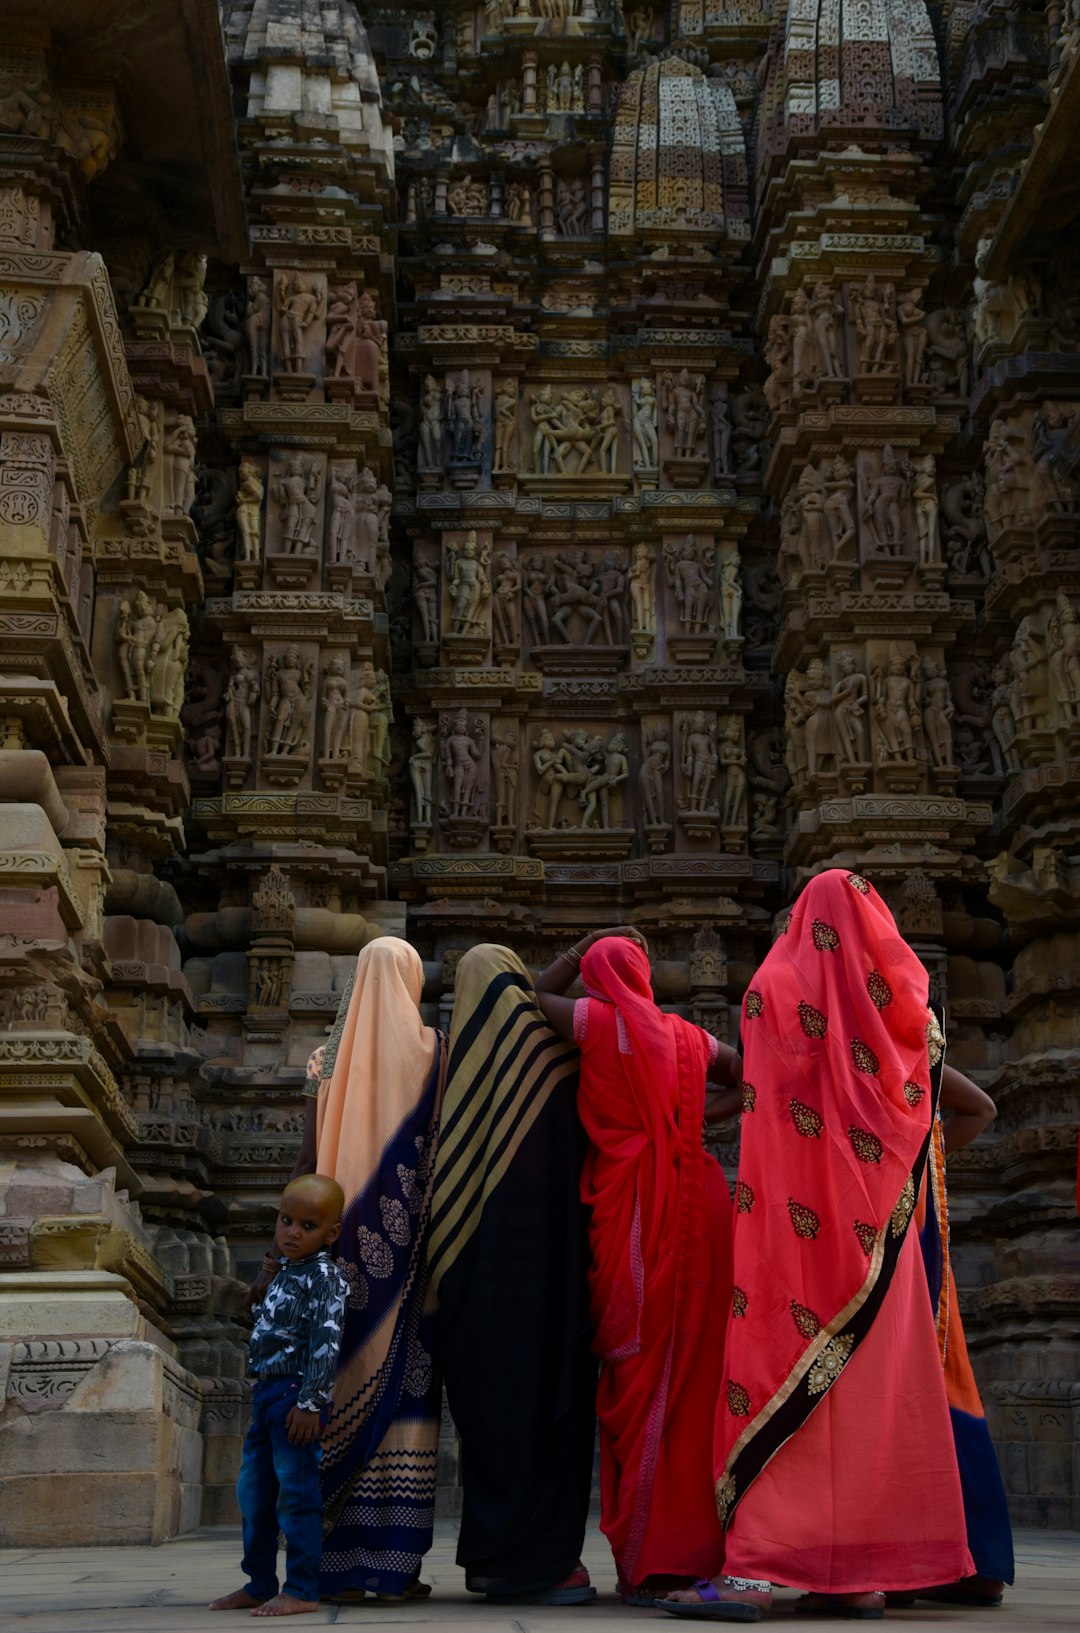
(710, 1607)
(646, 1598)
(829, 1604)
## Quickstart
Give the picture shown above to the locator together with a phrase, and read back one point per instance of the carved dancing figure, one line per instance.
(682, 399)
(299, 306)
(731, 597)
(720, 430)
(654, 775)
(925, 499)
(824, 310)
(461, 767)
(342, 511)
(426, 597)
(875, 324)
(895, 709)
(137, 644)
(615, 769)
(295, 494)
(335, 705)
(469, 585)
(430, 438)
(849, 703)
(504, 763)
(607, 429)
(911, 317)
(574, 592)
(289, 695)
(689, 568)
(249, 499)
(643, 588)
(733, 769)
(545, 446)
(506, 413)
(179, 449)
(700, 761)
(241, 695)
(805, 367)
(506, 601)
(839, 491)
(938, 712)
(548, 783)
(646, 432)
(538, 584)
(341, 331)
(140, 476)
(421, 769)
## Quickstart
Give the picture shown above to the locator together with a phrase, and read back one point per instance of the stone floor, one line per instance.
(165, 1590)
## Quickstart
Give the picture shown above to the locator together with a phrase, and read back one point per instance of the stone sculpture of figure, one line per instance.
(426, 596)
(778, 387)
(341, 331)
(137, 645)
(368, 350)
(805, 367)
(700, 761)
(824, 310)
(190, 303)
(817, 717)
(811, 503)
(938, 712)
(643, 588)
(335, 708)
(690, 574)
(538, 582)
(299, 306)
(26, 110)
(544, 415)
(504, 765)
(682, 398)
(607, 427)
(430, 442)
(366, 501)
(1007, 480)
(611, 588)
(381, 716)
(574, 430)
(890, 493)
(566, 89)
(158, 291)
(839, 490)
(464, 411)
(140, 476)
(257, 325)
(295, 495)
(506, 601)
(965, 528)
(925, 499)
(548, 784)
(875, 324)
(578, 105)
(363, 702)
(948, 353)
(342, 488)
(1000, 308)
(170, 671)
(572, 208)
(289, 699)
(241, 695)
(849, 700)
(461, 767)
(896, 708)
(1063, 652)
(731, 597)
(720, 430)
(911, 318)
(654, 776)
(1049, 428)
(249, 498)
(733, 771)
(1002, 720)
(646, 434)
(421, 769)
(574, 591)
(179, 449)
(469, 585)
(613, 770)
(639, 28)
(505, 416)
(1027, 693)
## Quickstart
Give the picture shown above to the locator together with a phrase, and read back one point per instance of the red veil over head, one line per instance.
(838, 1103)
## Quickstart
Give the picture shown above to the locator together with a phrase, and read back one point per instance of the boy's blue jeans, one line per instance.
(278, 1489)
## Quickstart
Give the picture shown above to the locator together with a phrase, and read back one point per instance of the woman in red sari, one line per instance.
(659, 1238)
(834, 1460)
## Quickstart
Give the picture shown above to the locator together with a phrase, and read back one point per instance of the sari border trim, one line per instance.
(797, 1396)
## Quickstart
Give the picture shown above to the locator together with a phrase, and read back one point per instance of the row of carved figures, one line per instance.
(350, 722)
(574, 597)
(340, 511)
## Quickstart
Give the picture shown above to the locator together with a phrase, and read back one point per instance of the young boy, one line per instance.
(293, 1355)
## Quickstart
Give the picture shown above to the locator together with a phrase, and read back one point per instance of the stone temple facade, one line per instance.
(481, 471)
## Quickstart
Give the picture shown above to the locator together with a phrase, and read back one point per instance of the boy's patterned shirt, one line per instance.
(298, 1327)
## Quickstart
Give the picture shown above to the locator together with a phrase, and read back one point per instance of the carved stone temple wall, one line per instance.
(480, 472)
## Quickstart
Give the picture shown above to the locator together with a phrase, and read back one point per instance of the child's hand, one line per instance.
(302, 1428)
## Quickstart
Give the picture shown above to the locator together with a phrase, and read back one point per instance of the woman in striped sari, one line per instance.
(508, 1260)
(372, 1124)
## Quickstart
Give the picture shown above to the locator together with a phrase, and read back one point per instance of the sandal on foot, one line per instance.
(838, 1605)
(710, 1607)
(415, 1590)
(653, 1591)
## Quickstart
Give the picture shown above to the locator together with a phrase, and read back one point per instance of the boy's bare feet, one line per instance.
(240, 1600)
(283, 1604)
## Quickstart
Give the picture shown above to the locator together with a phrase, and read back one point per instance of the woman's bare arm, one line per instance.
(722, 1104)
(561, 974)
(305, 1160)
(966, 1109)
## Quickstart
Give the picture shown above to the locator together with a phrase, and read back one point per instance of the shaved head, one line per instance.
(318, 1191)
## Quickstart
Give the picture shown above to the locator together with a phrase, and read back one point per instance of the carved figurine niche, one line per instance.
(646, 428)
(578, 435)
(506, 606)
(296, 491)
(505, 420)
(178, 459)
(289, 689)
(850, 707)
(899, 739)
(169, 671)
(685, 423)
(242, 692)
(257, 320)
(642, 579)
(655, 783)
(1063, 658)
(873, 312)
(731, 598)
(466, 409)
(505, 770)
(1029, 692)
(355, 340)
(690, 570)
(572, 207)
(421, 779)
(431, 432)
(770, 782)
(1051, 493)
(1008, 480)
(463, 796)
(733, 781)
(425, 586)
(938, 711)
(885, 522)
(369, 723)
(139, 488)
(300, 305)
(250, 492)
(137, 638)
(699, 763)
(467, 627)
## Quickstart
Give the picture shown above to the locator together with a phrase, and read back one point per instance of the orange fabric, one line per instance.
(660, 1282)
(866, 1497)
(383, 1058)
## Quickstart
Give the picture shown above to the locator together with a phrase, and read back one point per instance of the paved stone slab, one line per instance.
(166, 1589)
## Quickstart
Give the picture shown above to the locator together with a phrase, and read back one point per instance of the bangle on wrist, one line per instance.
(572, 957)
